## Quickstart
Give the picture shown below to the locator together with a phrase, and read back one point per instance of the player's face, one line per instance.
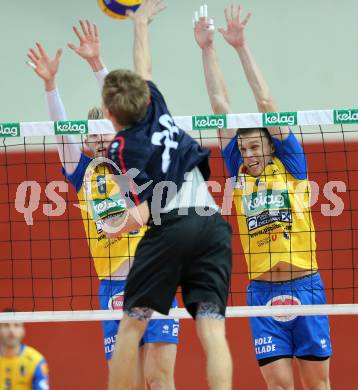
(256, 151)
(98, 143)
(11, 334)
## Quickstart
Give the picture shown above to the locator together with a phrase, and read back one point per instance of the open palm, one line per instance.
(235, 30)
(45, 66)
(90, 44)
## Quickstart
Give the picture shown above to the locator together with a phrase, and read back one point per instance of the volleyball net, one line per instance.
(46, 270)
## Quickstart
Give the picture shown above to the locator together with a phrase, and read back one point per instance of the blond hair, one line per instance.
(125, 95)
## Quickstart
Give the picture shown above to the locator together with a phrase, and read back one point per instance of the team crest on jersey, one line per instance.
(116, 301)
(284, 300)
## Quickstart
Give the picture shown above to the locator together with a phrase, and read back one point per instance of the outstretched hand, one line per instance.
(147, 11)
(44, 66)
(235, 29)
(203, 28)
(89, 42)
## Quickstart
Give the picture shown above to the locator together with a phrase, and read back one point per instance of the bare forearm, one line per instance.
(96, 64)
(141, 50)
(215, 83)
(256, 80)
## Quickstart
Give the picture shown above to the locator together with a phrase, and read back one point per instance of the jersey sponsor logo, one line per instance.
(116, 301)
(264, 200)
(267, 217)
(284, 300)
(71, 127)
(209, 122)
(104, 207)
(9, 130)
(345, 116)
(279, 119)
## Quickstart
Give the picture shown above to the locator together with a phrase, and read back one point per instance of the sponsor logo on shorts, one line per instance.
(71, 127)
(284, 300)
(9, 130)
(175, 330)
(116, 302)
(264, 345)
(324, 343)
(165, 329)
(279, 119)
(209, 122)
(345, 116)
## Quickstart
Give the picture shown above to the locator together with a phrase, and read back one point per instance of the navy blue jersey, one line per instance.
(156, 150)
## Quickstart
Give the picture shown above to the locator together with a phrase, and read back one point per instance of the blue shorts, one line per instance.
(111, 294)
(289, 335)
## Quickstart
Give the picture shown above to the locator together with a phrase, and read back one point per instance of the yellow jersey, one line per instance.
(26, 371)
(99, 199)
(273, 210)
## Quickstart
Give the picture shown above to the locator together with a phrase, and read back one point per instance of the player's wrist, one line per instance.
(50, 84)
(95, 63)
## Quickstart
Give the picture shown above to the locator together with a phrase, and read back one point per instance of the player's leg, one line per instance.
(205, 288)
(314, 374)
(278, 374)
(125, 358)
(212, 335)
(159, 365)
(312, 338)
(272, 337)
(160, 344)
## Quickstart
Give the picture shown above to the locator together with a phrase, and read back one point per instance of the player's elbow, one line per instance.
(219, 105)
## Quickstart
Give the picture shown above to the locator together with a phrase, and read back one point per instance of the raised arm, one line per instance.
(141, 49)
(46, 68)
(89, 48)
(215, 83)
(235, 36)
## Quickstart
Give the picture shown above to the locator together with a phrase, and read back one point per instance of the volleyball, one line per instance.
(118, 8)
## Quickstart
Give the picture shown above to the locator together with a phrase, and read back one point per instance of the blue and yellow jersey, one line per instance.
(26, 371)
(273, 210)
(99, 200)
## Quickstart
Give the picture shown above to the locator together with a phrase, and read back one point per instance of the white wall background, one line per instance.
(307, 50)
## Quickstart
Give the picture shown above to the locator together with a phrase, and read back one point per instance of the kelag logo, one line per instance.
(279, 119)
(265, 200)
(71, 127)
(9, 130)
(345, 116)
(209, 122)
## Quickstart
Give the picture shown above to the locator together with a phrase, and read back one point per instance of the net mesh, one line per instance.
(46, 269)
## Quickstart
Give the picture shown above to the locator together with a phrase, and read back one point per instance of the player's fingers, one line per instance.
(89, 27)
(41, 50)
(79, 36)
(31, 58)
(58, 54)
(95, 29)
(227, 17)
(159, 8)
(248, 16)
(130, 13)
(83, 28)
(211, 24)
(34, 54)
(72, 47)
(233, 11)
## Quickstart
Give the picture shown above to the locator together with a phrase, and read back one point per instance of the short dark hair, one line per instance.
(248, 130)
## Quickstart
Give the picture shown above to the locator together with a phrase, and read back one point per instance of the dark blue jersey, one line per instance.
(155, 150)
